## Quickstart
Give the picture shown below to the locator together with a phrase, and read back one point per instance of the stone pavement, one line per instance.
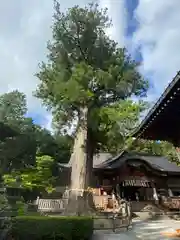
(115, 236)
(145, 230)
(153, 229)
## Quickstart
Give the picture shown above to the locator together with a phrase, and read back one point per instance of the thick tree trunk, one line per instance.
(80, 200)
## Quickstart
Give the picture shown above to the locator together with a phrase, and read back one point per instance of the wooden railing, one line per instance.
(57, 205)
(102, 204)
(111, 220)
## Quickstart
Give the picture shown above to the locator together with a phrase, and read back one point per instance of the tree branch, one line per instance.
(76, 40)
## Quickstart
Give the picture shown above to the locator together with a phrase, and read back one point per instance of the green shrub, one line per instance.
(55, 228)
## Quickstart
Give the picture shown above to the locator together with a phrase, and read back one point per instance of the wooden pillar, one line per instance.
(170, 192)
(118, 191)
(155, 195)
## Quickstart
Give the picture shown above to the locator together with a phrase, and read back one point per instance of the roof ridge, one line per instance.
(147, 154)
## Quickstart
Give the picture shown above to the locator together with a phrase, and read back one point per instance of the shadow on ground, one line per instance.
(153, 229)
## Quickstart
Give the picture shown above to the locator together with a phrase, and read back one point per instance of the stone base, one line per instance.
(103, 223)
(79, 206)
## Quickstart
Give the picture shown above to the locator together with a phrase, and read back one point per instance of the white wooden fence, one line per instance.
(111, 222)
(51, 205)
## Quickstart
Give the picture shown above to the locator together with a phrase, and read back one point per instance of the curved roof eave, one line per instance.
(137, 132)
(158, 163)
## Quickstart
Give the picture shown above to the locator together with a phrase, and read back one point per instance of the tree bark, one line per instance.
(80, 200)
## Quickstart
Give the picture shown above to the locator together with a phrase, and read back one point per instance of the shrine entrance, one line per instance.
(136, 190)
(131, 193)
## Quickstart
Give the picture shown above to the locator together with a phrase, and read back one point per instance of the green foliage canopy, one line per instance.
(161, 148)
(39, 176)
(86, 69)
(19, 152)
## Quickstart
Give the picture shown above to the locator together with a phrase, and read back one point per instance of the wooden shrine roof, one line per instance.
(158, 163)
(105, 161)
(97, 160)
(162, 121)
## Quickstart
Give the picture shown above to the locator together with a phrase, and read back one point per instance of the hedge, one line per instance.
(55, 228)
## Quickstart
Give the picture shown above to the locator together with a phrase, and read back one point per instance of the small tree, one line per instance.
(12, 107)
(87, 78)
(39, 176)
(17, 151)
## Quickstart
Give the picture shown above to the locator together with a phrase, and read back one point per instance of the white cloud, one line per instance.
(116, 12)
(158, 37)
(25, 29)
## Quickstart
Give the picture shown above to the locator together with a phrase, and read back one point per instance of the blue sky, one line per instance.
(148, 28)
